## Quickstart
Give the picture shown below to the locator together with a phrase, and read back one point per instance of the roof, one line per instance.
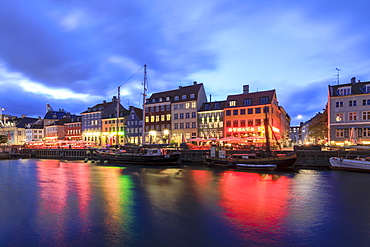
(212, 106)
(188, 90)
(58, 114)
(138, 112)
(255, 96)
(22, 122)
(356, 88)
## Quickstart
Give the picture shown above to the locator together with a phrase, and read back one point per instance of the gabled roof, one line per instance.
(163, 94)
(50, 114)
(356, 88)
(137, 111)
(99, 107)
(255, 96)
(187, 90)
(22, 122)
(212, 106)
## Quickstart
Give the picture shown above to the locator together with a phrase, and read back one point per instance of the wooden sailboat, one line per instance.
(252, 161)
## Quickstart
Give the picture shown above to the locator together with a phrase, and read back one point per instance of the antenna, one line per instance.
(338, 75)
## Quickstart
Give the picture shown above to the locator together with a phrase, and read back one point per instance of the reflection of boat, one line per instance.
(151, 156)
(357, 164)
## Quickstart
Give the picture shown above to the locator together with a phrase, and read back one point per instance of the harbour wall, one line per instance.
(306, 158)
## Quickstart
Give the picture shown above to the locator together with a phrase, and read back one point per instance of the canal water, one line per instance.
(64, 203)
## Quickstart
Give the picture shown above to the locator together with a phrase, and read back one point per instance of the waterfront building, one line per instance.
(158, 117)
(92, 120)
(113, 128)
(211, 120)
(52, 116)
(185, 105)
(349, 113)
(73, 129)
(56, 131)
(245, 113)
(134, 126)
(14, 129)
(35, 131)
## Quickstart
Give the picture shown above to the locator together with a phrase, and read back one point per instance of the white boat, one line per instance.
(356, 164)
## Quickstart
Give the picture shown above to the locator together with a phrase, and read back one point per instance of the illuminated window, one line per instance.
(228, 123)
(242, 123)
(168, 117)
(152, 119)
(193, 104)
(162, 117)
(235, 123)
(339, 117)
(232, 103)
(352, 116)
(187, 105)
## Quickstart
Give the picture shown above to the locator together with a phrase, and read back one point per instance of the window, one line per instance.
(181, 125)
(339, 132)
(258, 110)
(176, 116)
(187, 105)
(162, 107)
(206, 107)
(352, 103)
(235, 123)
(151, 109)
(192, 96)
(157, 108)
(235, 112)
(247, 102)
(250, 111)
(366, 115)
(187, 115)
(228, 112)
(339, 117)
(193, 105)
(258, 122)
(228, 123)
(168, 107)
(352, 116)
(152, 119)
(264, 100)
(147, 119)
(366, 132)
(366, 102)
(250, 122)
(344, 91)
(176, 126)
(232, 103)
(217, 105)
(193, 125)
(181, 115)
(339, 104)
(183, 96)
(157, 118)
(187, 125)
(168, 117)
(162, 117)
(265, 109)
(176, 97)
(193, 114)
(242, 123)
(242, 111)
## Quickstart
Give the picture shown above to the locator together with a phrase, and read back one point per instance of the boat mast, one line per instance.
(118, 103)
(144, 96)
(267, 136)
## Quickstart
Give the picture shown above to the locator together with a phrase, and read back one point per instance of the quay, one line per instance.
(314, 159)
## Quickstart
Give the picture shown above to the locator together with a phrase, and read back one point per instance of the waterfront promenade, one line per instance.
(306, 158)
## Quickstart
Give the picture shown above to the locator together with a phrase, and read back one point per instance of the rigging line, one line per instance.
(132, 76)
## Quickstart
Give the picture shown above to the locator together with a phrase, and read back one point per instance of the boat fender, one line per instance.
(105, 161)
(150, 152)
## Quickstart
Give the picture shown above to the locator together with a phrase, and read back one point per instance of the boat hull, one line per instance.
(280, 162)
(262, 167)
(337, 163)
(171, 159)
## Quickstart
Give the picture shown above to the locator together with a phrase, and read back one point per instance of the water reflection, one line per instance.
(254, 203)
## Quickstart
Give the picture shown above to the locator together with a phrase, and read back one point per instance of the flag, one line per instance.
(3, 109)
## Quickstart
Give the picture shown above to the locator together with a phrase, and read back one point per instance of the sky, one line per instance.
(73, 54)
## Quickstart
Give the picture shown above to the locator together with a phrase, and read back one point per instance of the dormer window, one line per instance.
(264, 100)
(367, 88)
(183, 96)
(217, 105)
(206, 107)
(176, 97)
(192, 96)
(247, 102)
(160, 99)
(232, 103)
(344, 91)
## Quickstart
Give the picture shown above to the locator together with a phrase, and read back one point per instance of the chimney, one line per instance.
(195, 83)
(353, 80)
(104, 101)
(114, 99)
(245, 89)
(180, 87)
(210, 98)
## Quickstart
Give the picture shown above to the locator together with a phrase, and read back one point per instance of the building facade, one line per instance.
(349, 113)
(185, 105)
(134, 126)
(245, 114)
(211, 120)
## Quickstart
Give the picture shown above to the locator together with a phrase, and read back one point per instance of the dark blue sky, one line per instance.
(74, 54)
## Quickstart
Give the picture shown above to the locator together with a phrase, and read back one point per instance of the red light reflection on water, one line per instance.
(254, 201)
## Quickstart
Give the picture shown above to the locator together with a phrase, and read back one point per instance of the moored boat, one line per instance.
(261, 167)
(356, 164)
(151, 156)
